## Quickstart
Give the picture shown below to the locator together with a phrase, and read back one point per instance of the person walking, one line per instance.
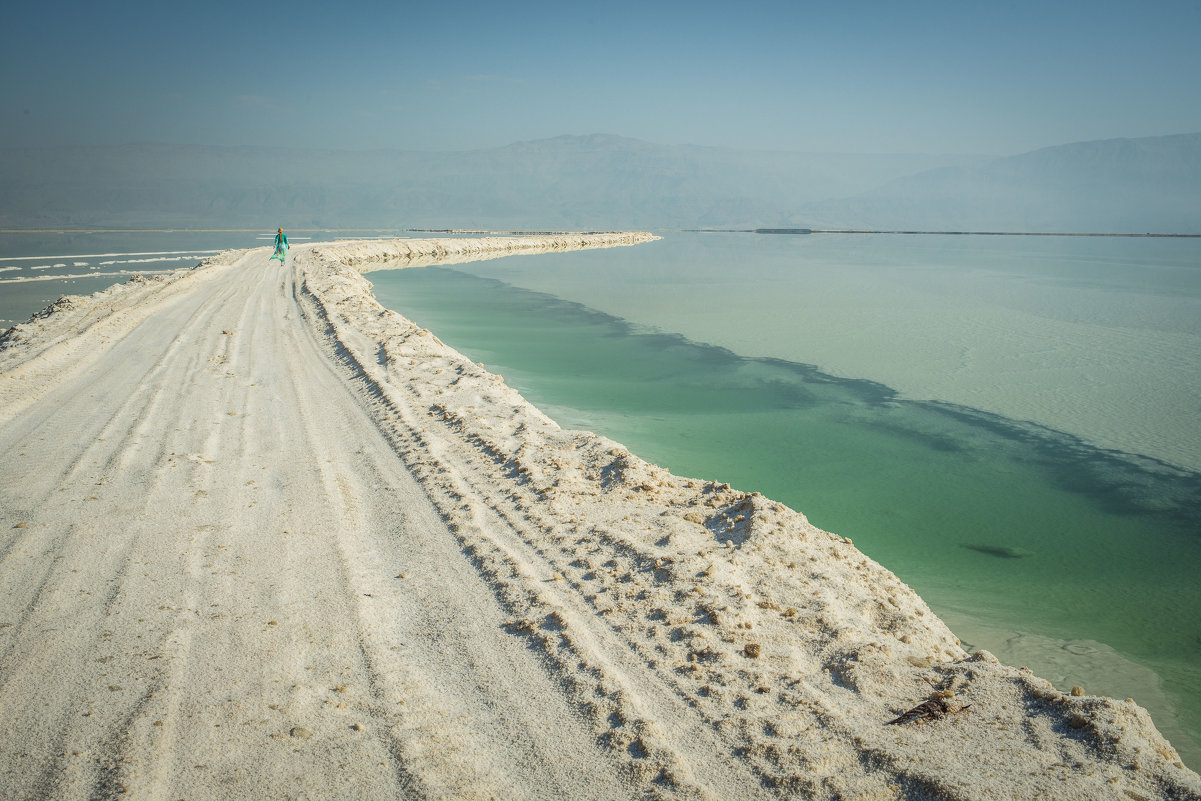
(281, 246)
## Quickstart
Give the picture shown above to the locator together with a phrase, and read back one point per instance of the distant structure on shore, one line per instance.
(783, 230)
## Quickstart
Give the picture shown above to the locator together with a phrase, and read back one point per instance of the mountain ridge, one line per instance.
(1125, 185)
(598, 181)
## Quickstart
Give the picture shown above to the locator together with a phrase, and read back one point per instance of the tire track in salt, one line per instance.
(156, 727)
(636, 705)
(397, 675)
(104, 772)
(635, 711)
(86, 377)
(125, 728)
(85, 342)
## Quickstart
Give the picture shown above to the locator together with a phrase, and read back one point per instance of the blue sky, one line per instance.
(850, 76)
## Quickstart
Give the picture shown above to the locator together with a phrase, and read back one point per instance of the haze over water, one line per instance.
(1010, 425)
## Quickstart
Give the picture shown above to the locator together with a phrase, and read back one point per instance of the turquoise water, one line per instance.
(1003, 526)
(1097, 337)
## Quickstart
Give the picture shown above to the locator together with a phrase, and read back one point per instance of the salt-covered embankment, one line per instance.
(268, 535)
(371, 255)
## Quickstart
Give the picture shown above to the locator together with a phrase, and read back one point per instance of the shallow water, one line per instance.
(1100, 337)
(39, 267)
(1029, 541)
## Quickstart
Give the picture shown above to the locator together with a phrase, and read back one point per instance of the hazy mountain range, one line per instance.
(607, 182)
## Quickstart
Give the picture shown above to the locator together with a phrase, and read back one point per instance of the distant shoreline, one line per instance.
(319, 228)
(923, 233)
(460, 231)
